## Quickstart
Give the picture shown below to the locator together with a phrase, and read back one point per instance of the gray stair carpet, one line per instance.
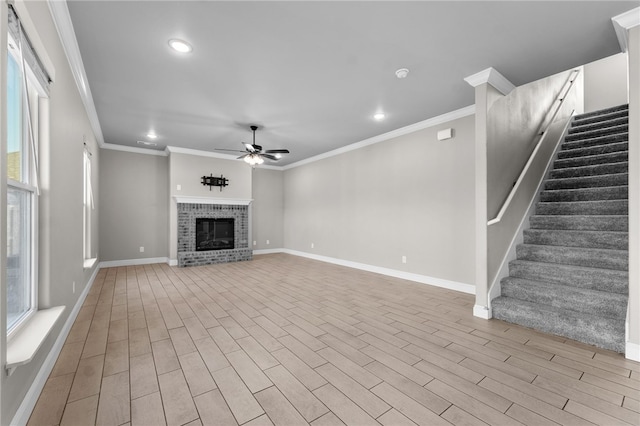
(570, 276)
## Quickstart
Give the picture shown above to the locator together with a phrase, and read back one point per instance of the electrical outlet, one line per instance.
(178, 187)
(141, 249)
(255, 243)
(312, 245)
(267, 242)
(404, 259)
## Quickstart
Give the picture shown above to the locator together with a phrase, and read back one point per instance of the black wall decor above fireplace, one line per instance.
(214, 234)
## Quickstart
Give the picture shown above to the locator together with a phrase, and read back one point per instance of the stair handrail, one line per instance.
(559, 101)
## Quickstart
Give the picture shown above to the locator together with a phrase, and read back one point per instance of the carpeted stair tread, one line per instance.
(580, 222)
(586, 194)
(577, 276)
(600, 117)
(590, 170)
(603, 304)
(611, 157)
(606, 333)
(615, 240)
(581, 151)
(577, 256)
(579, 127)
(603, 112)
(615, 179)
(602, 207)
(622, 128)
(593, 142)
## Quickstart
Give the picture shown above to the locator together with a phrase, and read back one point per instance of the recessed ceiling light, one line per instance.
(152, 135)
(180, 46)
(402, 73)
(147, 143)
(379, 116)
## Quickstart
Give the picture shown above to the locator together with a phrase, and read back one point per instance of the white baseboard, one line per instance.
(29, 402)
(632, 351)
(173, 262)
(482, 312)
(268, 251)
(423, 279)
(133, 262)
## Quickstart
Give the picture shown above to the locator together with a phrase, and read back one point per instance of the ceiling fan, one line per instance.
(253, 153)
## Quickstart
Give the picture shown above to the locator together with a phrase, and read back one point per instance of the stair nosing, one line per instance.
(602, 145)
(603, 111)
(567, 266)
(603, 128)
(603, 117)
(594, 165)
(591, 157)
(588, 177)
(592, 249)
(587, 189)
(592, 138)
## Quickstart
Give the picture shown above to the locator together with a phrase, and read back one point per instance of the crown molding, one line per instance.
(64, 26)
(135, 150)
(623, 23)
(493, 77)
(440, 119)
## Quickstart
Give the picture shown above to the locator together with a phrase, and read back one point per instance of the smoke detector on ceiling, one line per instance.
(402, 73)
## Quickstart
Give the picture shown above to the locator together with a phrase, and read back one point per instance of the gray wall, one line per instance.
(267, 209)
(60, 226)
(605, 83)
(410, 196)
(513, 123)
(134, 196)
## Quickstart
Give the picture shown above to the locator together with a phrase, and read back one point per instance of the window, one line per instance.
(26, 90)
(88, 204)
(21, 193)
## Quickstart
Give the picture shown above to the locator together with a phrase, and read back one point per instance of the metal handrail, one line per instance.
(560, 99)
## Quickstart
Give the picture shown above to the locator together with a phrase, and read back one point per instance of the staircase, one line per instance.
(570, 276)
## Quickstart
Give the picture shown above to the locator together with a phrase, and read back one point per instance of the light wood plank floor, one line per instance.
(289, 341)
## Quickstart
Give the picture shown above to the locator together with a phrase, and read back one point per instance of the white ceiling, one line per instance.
(312, 74)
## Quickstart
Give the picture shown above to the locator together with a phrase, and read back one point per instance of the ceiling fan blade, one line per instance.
(228, 150)
(249, 147)
(270, 157)
(277, 151)
(242, 157)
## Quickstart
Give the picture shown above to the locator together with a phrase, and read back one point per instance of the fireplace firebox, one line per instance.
(215, 234)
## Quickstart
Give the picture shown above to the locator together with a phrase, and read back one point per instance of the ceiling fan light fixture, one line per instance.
(180, 45)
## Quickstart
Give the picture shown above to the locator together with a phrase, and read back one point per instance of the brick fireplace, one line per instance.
(231, 210)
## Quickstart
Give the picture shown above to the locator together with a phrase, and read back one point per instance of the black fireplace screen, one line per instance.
(214, 234)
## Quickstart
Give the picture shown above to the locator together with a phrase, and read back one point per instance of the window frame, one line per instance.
(87, 204)
(35, 92)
